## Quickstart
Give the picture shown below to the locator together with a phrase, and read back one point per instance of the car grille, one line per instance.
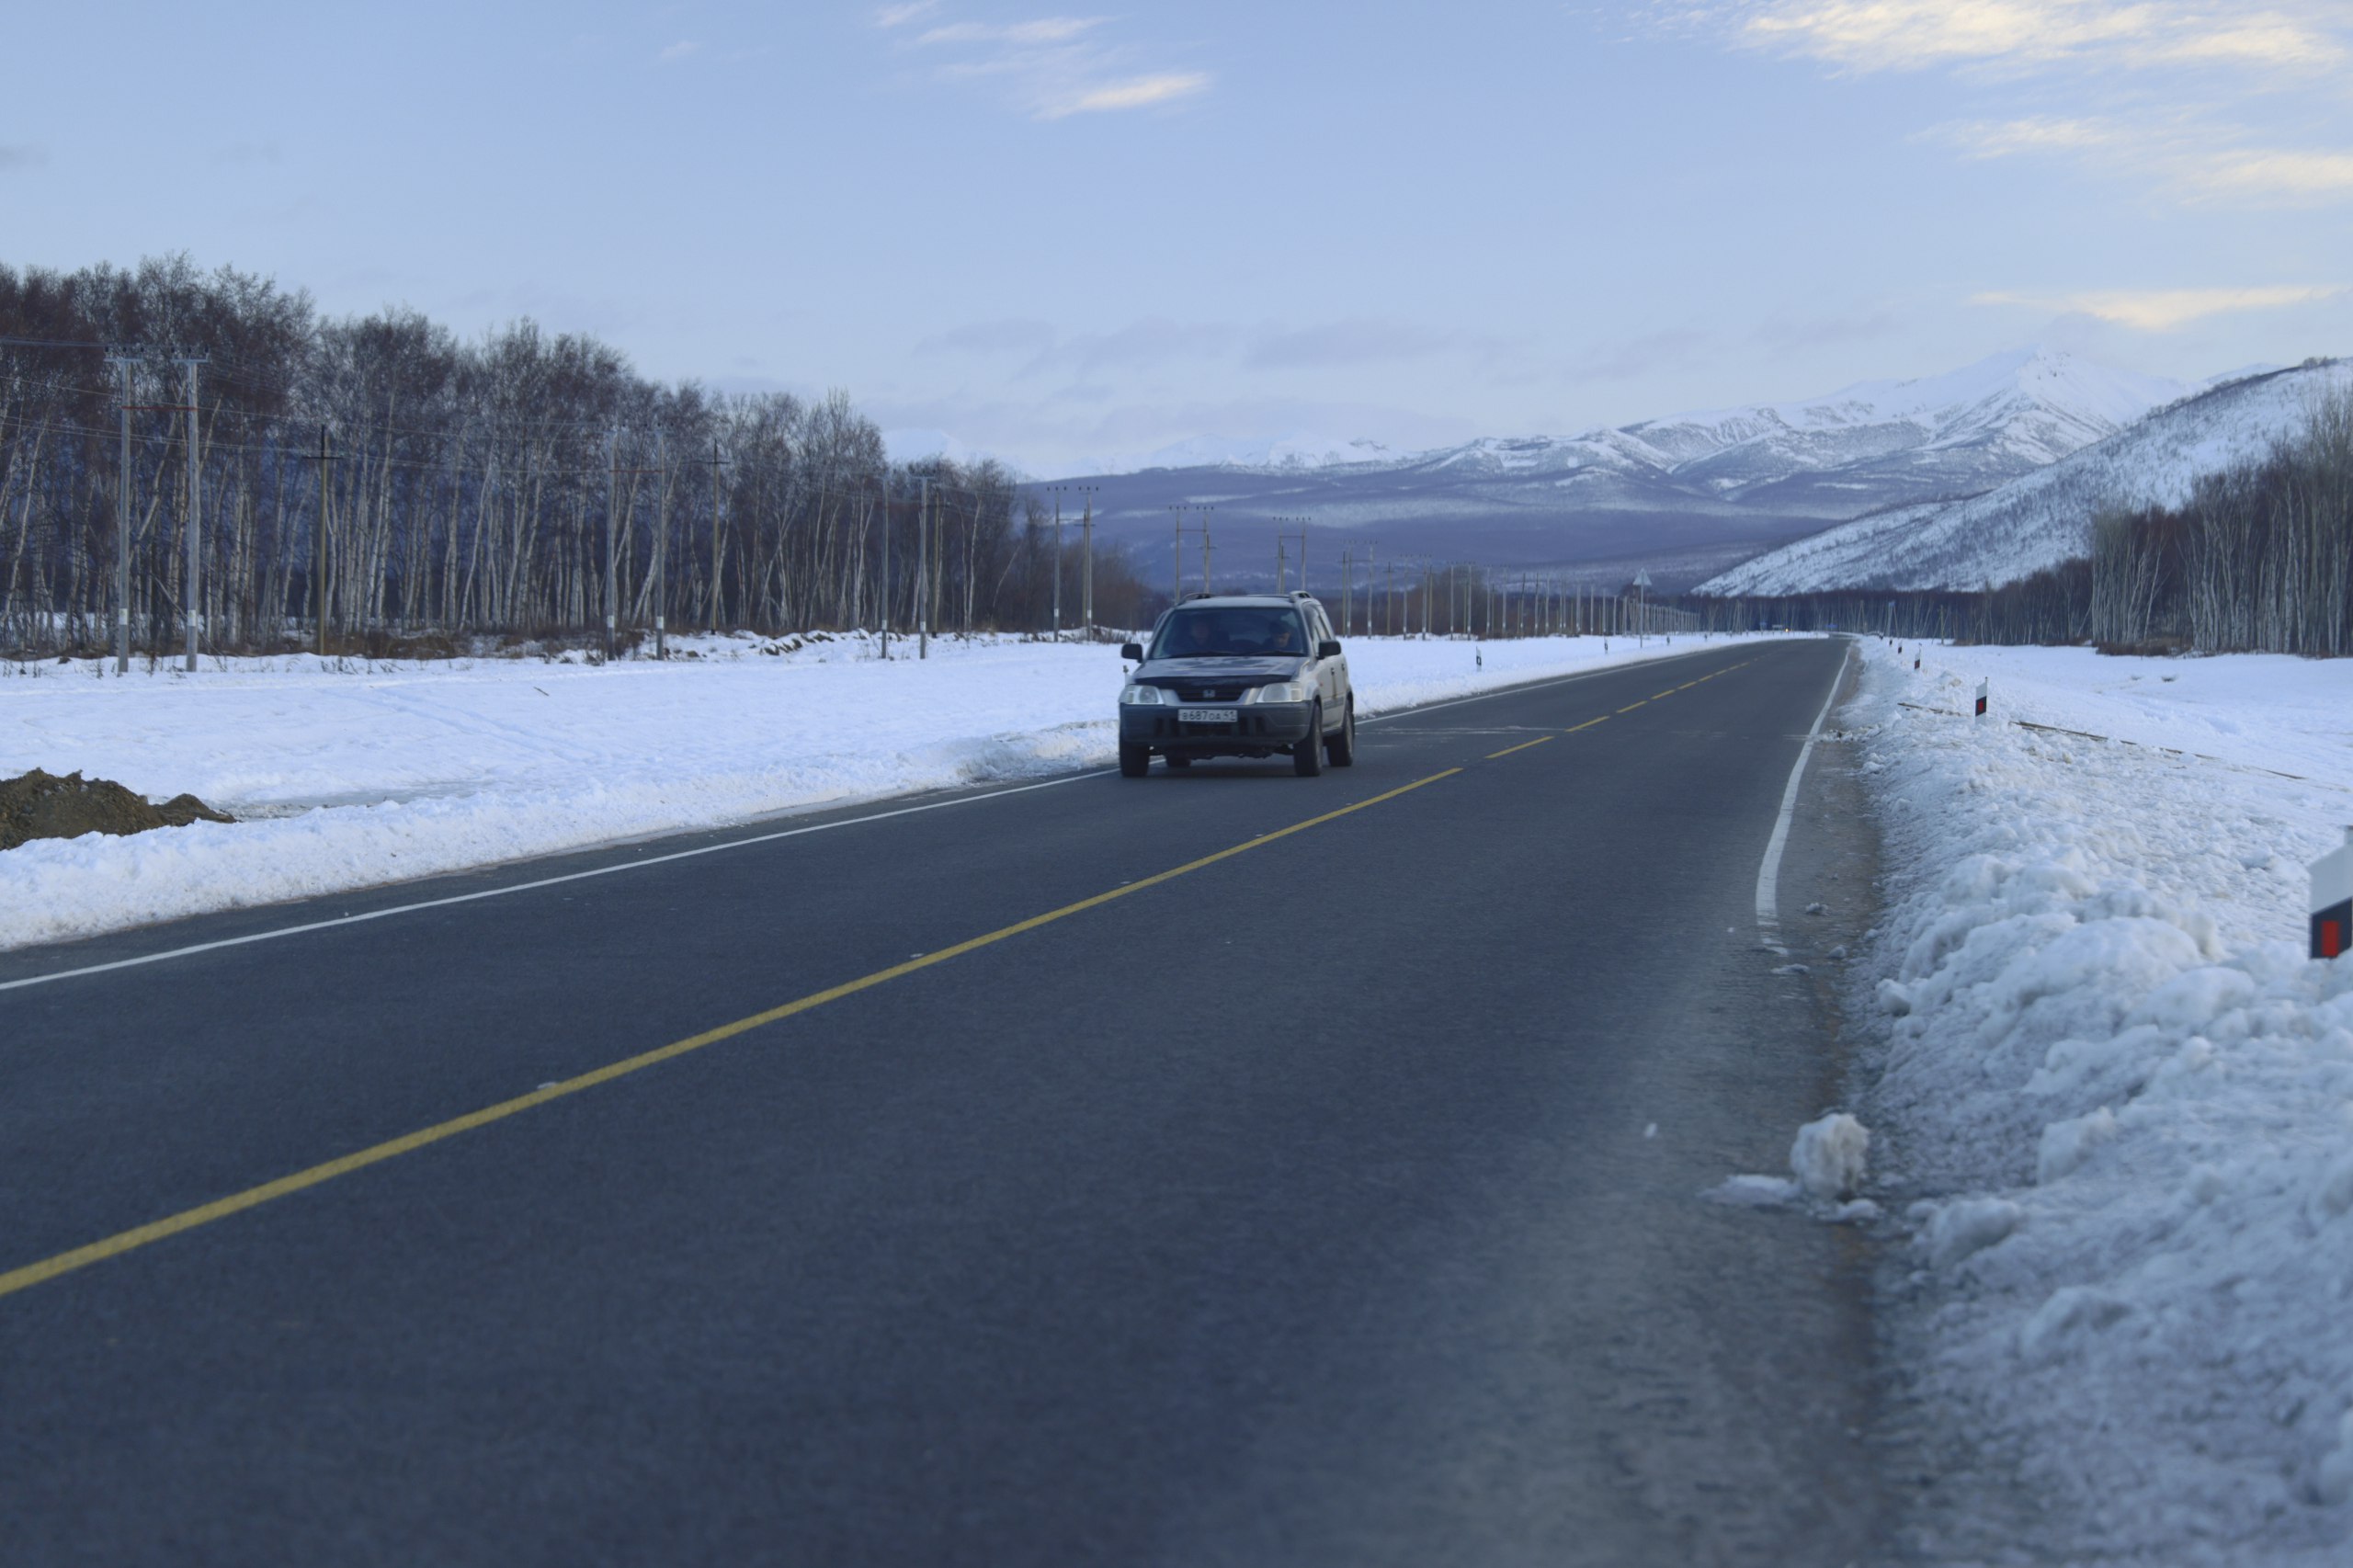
(1207, 690)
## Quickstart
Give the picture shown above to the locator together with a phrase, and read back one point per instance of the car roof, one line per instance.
(1261, 600)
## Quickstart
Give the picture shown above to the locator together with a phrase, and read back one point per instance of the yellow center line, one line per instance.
(1660, 696)
(1522, 746)
(1588, 724)
(49, 1268)
(1631, 706)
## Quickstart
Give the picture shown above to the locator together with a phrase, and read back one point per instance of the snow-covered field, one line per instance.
(2112, 1106)
(349, 774)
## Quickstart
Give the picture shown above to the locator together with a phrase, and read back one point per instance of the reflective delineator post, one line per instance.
(2332, 901)
(1981, 698)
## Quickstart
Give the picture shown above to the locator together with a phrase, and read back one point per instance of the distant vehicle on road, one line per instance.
(1240, 675)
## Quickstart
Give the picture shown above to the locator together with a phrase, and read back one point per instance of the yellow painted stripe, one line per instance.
(1522, 746)
(122, 1242)
(1588, 724)
(1670, 691)
(1631, 706)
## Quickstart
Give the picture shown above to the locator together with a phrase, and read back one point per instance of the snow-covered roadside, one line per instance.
(351, 775)
(2112, 1109)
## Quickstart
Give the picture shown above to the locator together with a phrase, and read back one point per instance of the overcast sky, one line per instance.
(1056, 233)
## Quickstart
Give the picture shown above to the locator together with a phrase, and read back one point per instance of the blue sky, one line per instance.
(1062, 232)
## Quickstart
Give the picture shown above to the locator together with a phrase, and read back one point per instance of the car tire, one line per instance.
(1340, 751)
(1307, 756)
(1135, 761)
(1176, 761)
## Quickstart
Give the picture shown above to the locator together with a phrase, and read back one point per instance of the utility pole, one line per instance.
(320, 552)
(886, 566)
(612, 571)
(126, 359)
(194, 591)
(1058, 562)
(612, 583)
(1177, 554)
(923, 574)
(1282, 552)
(1205, 547)
(1087, 562)
(661, 545)
(717, 503)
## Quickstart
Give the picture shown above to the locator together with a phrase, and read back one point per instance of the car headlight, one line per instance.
(1281, 691)
(1143, 694)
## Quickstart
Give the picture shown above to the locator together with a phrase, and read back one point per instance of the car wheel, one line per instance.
(1307, 756)
(1341, 749)
(1135, 761)
(1175, 761)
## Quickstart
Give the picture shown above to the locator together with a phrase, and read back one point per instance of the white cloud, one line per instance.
(900, 15)
(679, 49)
(1139, 92)
(2196, 160)
(2164, 309)
(1909, 35)
(1049, 67)
(1046, 30)
(2274, 174)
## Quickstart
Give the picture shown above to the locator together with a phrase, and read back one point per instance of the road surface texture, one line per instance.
(1219, 1167)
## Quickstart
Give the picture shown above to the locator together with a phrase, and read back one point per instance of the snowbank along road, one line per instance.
(1217, 1167)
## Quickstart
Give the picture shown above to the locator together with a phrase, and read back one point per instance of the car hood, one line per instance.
(1247, 669)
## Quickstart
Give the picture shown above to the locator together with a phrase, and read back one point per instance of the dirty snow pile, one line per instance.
(2113, 1102)
(345, 773)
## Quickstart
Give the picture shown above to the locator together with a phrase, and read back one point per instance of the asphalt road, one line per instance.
(1331, 1200)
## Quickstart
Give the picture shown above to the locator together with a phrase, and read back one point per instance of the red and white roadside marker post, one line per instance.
(1981, 698)
(2332, 901)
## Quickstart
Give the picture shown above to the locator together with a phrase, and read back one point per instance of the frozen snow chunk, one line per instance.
(1855, 1213)
(1894, 999)
(2067, 1144)
(2334, 1480)
(1827, 1158)
(1971, 1225)
(1753, 1191)
(2192, 1001)
(2072, 1310)
(2333, 1194)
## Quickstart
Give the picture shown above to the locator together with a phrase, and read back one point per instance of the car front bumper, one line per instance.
(1258, 727)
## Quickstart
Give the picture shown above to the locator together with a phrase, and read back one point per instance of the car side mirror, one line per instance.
(1327, 649)
(1131, 652)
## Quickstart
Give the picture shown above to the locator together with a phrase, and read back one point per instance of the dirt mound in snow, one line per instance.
(43, 806)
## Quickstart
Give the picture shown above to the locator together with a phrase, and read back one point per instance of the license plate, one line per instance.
(1205, 715)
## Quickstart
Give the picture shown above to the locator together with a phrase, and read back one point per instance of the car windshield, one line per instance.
(1250, 630)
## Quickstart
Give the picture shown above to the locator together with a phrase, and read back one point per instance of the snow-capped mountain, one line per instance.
(1287, 453)
(2044, 518)
(1702, 488)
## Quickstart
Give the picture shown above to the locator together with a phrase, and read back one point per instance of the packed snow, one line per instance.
(2113, 1099)
(346, 774)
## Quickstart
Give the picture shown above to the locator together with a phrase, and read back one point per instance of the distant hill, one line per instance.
(2043, 518)
(1682, 496)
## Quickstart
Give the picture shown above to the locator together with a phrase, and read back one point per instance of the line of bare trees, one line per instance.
(368, 480)
(2258, 559)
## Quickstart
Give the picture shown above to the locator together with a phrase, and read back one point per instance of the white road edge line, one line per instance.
(542, 882)
(1769, 875)
(274, 933)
